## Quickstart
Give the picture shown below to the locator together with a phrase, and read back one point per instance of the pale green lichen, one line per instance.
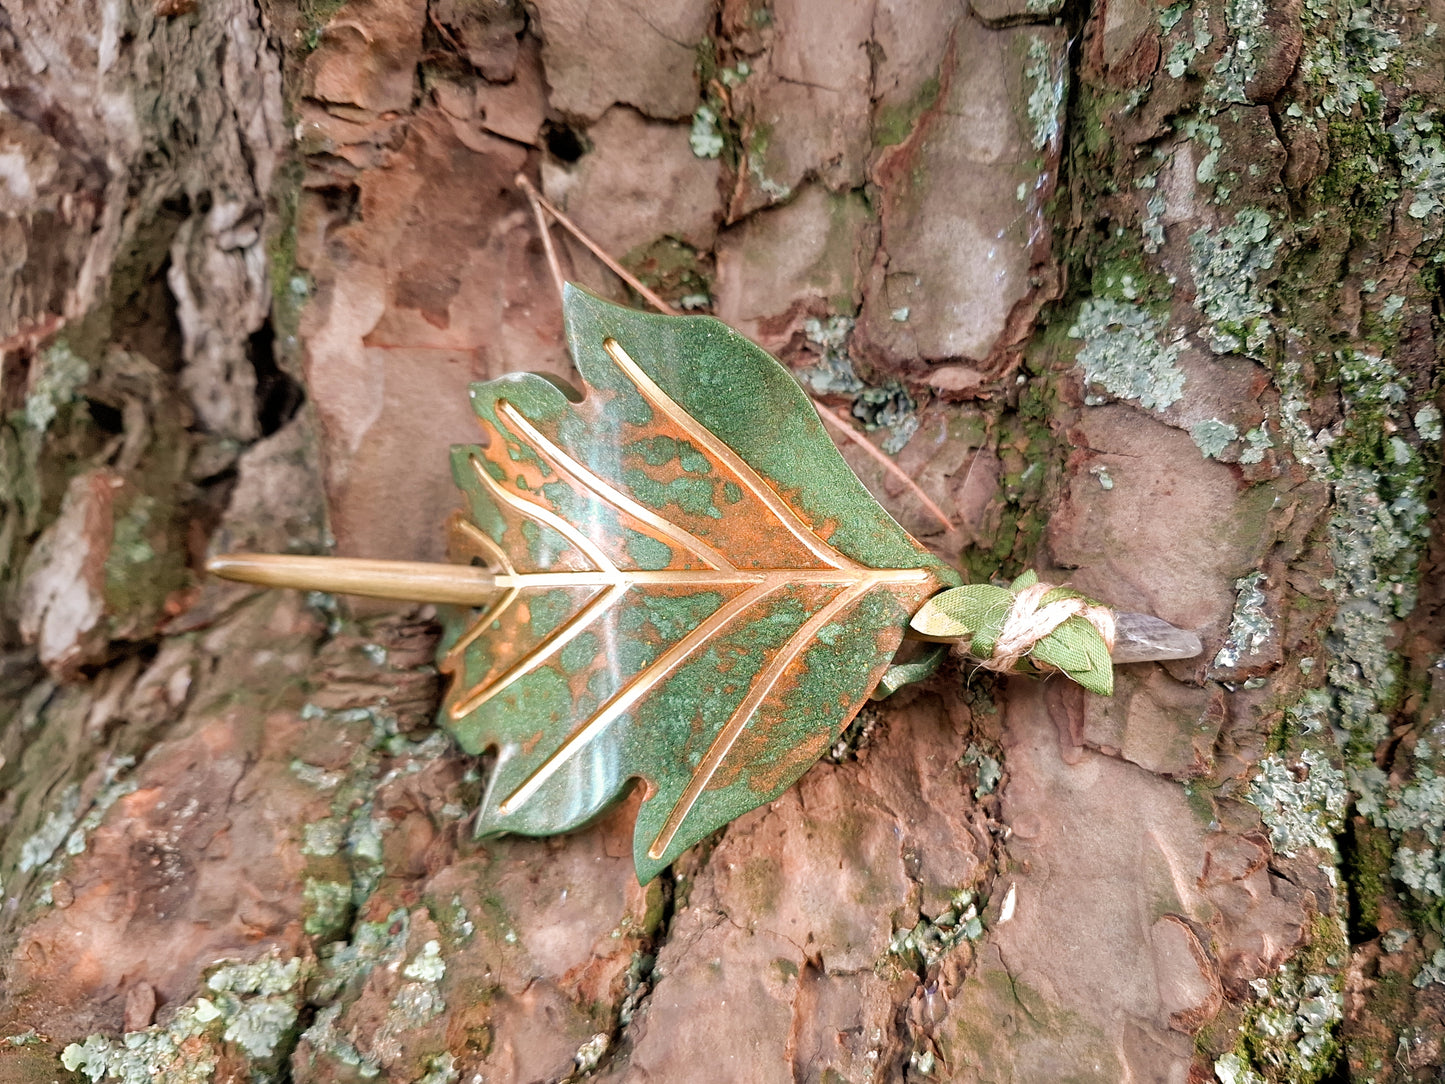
(346, 964)
(1427, 423)
(428, 965)
(1101, 472)
(258, 1002)
(254, 1005)
(324, 837)
(258, 1026)
(1045, 73)
(1182, 53)
(931, 939)
(344, 969)
(1345, 50)
(1213, 436)
(1227, 264)
(735, 76)
(1257, 442)
(1304, 805)
(590, 1054)
(1206, 133)
(130, 536)
(1123, 355)
(60, 374)
(414, 1004)
(1234, 1069)
(922, 1062)
(989, 769)
(1249, 626)
(64, 830)
(364, 846)
(1381, 520)
(705, 138)
(325, 604)
(1153, 224)
(142, 1057)
(37, 849)
(267, 977)
(1433, 972)
(326, 906)
(887, 406)
(1236, 68)
(1309, 714)
(832, 335)
(462, 926)
(441, 1069)
(316, 777)
(773, 189)
(1415, 816)
(1422, 873)
(1290, 1029)
(324, 1037)
(1417, 139)
(355, 829)
(1308, 448)
(636, 984)
(1122, 283)
(1379, 524)
(1395, 940)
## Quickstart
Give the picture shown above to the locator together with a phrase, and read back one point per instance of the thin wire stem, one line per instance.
(540, 203)
(535, 199)
(882, 458)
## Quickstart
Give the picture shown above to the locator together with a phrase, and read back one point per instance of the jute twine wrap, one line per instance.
(1028, 623)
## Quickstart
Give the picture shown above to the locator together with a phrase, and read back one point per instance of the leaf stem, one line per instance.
(410, 581)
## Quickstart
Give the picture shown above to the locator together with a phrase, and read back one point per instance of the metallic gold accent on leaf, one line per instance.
(686, 560)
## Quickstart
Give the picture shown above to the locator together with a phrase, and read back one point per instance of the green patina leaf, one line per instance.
(696, 591)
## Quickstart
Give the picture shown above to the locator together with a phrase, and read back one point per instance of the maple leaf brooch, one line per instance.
(677, 578)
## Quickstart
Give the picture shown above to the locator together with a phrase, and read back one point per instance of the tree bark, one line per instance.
(1146, 299)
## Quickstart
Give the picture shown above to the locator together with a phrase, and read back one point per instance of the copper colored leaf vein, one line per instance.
(695, 592)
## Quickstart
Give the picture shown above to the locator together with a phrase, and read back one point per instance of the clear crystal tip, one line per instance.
(1144, 638)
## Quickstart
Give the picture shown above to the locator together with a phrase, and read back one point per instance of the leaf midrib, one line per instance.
(693, 577)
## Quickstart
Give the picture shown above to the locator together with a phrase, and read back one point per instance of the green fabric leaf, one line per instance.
(975, 615)
(906, 673)
(696, 590)
(962, 613)
(1077, 648)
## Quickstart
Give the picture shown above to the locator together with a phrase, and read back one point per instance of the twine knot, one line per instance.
(1028, 622)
